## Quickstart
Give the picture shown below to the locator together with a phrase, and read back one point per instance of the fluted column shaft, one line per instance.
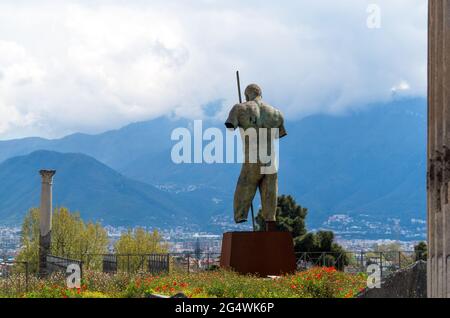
(45, 219)
(438, 208)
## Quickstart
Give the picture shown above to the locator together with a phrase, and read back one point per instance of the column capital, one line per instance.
(47, 175)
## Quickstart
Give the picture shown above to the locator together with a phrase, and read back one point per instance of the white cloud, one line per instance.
(70, 66)
(402, 86)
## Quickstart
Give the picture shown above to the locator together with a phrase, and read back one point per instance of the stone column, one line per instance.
(446, 151)
(45, 225)
(438, 208)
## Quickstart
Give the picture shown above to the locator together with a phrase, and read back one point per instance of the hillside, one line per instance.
(86, 185)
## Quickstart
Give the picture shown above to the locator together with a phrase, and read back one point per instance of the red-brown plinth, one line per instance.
(258, 253)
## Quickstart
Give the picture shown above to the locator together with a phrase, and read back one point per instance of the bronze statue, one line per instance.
(256, 115)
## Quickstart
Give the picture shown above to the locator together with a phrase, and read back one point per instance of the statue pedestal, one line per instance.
(258, 253)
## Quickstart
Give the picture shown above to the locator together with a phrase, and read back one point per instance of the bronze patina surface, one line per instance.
(254, 115)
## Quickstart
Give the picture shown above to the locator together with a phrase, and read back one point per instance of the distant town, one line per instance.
(185, 241)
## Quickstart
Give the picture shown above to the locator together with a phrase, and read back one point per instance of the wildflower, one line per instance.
(330, 269)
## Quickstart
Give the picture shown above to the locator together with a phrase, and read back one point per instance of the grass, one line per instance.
(320, 282)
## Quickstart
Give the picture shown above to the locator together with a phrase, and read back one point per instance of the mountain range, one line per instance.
(354, 172)
(86, 185)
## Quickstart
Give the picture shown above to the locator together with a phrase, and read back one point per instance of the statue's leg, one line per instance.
(269, 193)
(245, 191)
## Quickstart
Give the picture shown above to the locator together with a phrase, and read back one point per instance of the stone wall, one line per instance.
(410, 282)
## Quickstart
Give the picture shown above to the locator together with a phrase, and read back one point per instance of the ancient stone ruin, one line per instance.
(438, 149)
(45, 218)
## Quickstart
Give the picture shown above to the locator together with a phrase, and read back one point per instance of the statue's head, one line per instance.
(252, 92)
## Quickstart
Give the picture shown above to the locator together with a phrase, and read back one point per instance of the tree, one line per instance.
(390, 247)
(133, 246)
(325, 240)
(71, 238)
(290, 216)
(391, 255)
(305, 243)
(29, 240)
(320, 247)
(197, 249)
(421, 251)
(140, 241)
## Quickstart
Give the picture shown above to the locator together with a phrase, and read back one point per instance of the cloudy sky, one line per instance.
(89, 66)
